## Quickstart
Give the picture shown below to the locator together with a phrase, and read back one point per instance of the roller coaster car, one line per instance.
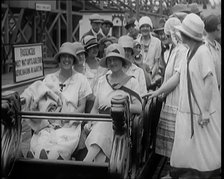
(129, 148)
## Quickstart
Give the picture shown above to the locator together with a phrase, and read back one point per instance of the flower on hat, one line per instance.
(192, 26)
(145, 20)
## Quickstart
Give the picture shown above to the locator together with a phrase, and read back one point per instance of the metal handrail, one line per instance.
(66, 116)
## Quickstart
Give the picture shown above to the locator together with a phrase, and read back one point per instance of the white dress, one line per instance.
(166, 125)
(102, 132)
(203, 151)
(64, 140)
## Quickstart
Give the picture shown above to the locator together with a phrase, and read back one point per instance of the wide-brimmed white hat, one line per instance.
(192, 26)
(66, 48)
(114, 50)
(145, 20)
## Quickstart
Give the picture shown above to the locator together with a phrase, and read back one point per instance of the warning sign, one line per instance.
(28, 62)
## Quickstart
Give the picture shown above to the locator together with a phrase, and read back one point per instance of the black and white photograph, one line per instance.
(111, 89)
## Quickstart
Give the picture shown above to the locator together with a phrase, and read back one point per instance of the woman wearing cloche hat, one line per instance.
(99, 141)
(62, 91)
(92, 68)
(80, 52)
(197, 142)
(151, 47)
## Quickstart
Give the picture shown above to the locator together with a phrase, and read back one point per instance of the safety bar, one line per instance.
(66, 116)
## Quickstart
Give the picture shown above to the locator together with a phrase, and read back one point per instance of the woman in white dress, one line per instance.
(99, 141)
(166, 125)
(54, 139)
(197, 143)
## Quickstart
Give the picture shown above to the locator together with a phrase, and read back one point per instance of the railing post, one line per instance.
(69, 20)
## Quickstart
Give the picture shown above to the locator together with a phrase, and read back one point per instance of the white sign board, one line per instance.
(43, 7)
(28, 60)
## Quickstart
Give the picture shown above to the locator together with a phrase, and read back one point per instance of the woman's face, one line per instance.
(218, 32)
(66, 61)
(81, 58)
(128, 53)
(114, 64)
(93, 52)
(145, 29)
(137, 49)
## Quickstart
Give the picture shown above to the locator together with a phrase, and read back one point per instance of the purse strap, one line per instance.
(190, 89)
(121, 86)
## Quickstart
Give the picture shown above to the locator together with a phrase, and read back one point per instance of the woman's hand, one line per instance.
(204, 119)
(88, 127)
(151, 94)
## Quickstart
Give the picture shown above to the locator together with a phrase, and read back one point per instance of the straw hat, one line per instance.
(192, 26)
(96, 18)
(89, 41)
(78, 47)
(145, 20)
(170, 23)
(66, 48)
(114, 50)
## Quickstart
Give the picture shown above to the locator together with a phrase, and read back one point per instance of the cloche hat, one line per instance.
(66, 48)
(170, 24)
(89, 41)
(192, 26)
(145, 20)
(114, 50)
(126, 41)
(78, 47)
